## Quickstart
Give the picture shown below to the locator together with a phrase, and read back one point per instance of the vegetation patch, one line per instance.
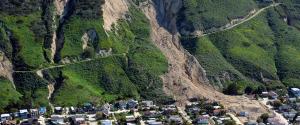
(8, 94)
(27, 32)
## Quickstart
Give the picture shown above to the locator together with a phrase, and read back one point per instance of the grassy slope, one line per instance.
(31, 47)
(288, 40)
(249, 47)
(8, 94)
(206, 14)
(265, 44)
(243, 51)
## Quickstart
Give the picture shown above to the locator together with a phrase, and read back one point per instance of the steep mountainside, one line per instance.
(68, 52)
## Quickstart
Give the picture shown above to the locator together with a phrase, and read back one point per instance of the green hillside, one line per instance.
(265, 46)
(131, 70)
(206, 15)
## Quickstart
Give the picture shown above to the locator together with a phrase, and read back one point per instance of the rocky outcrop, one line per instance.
(60, 6)
(90, 36)
(113, 10)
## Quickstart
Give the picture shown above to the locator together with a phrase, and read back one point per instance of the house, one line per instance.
(23, 113)
(42, 110)
(147, 103)
(292, 100)
(132, 104)
(285, 108)
(252, 123)
(273, 95)
(217, 107)
(87, 107)
(155, 123)
(203, 120)
(106, 122)
(176, 119)
(194, 110)
(79, 120)
(130, 118)
(72, 110)
(295, 92)
(5, 117)
(58, 110)
(275, 121)
(244, 114)
(57, 119)
(34, 113)
(130, 124)
(121, 105)
(106, 109)
(217, 112)
(264, 94)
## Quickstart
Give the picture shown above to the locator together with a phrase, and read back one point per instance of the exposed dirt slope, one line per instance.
(186, 78)
(6, 67)
(113, 10)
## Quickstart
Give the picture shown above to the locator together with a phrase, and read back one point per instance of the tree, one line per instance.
(230, 122)
(277, 103)
(265, 117)
(260, 89)
(248, 90)
(232, 89)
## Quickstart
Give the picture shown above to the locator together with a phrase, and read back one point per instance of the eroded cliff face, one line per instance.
(6, 67)
(185, 78)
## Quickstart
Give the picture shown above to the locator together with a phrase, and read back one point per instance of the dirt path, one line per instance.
(244, 20)
(63, 65)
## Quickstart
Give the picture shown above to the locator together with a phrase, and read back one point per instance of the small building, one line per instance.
(155, 123)
(34, 113)
(130, 118)
(79, 120)
(176, 119)
(57, 119)
(42, 110)
(58, 110)
(244, 114)
(147, 103)
(121, 105)
(285, 108)
(203, 120)
(106, 109)
(23, 113)
(264, 94)
(106, 122)
(132, 104)
(295, 92)
(88, 107)
(217, 107)
(5, 117)
(292, 100)
(72, 110)
(273, 95)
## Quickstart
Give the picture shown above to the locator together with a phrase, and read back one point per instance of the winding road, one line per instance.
(67, 64)
(244, 20)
